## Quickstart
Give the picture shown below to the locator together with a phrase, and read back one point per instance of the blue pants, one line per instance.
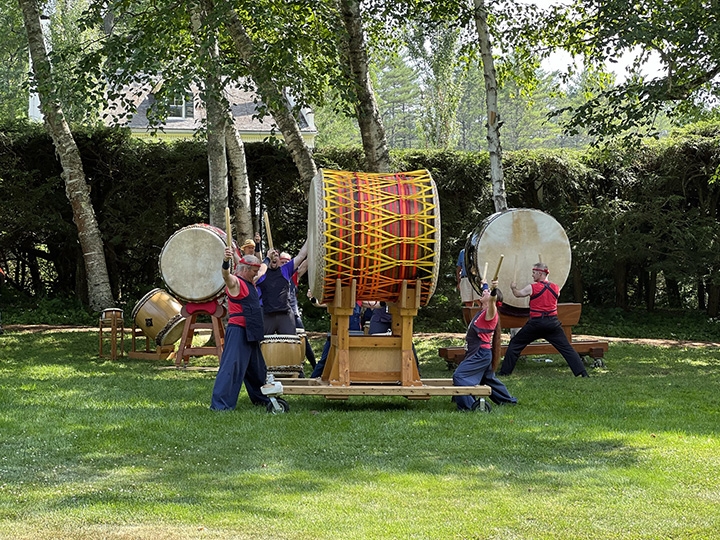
(318, 369)
(477, 369)
(241, 360)
(548, 328)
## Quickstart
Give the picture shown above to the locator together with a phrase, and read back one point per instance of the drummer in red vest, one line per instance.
(542, 324)
(241, 358)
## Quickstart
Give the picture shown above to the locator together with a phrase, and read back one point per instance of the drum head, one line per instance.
(190, 263)
(524, 236)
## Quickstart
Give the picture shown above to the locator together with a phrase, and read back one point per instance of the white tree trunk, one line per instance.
(216, 109)
(78, 193)
(493, 116)
(271, 94)
(372, 130)
(240, 183)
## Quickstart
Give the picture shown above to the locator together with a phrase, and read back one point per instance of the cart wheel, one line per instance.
(598, 363)
(283, 405)
(481, 405)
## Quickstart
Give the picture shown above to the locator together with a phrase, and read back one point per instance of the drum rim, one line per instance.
(168, 328)
(198, 226)
(143, 301)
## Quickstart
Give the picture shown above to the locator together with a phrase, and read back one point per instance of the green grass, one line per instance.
(93, 448)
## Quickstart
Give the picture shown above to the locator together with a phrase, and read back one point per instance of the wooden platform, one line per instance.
(428, 389)
(569, 315)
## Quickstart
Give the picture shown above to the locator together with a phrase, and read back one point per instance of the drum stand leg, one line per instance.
(186, 349)
(372, 359)
(117, 330)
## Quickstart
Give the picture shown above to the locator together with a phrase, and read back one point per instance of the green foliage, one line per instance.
(643, 220)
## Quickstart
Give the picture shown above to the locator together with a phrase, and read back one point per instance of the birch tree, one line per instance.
(493, 114)
(76, 187)
(369, 119)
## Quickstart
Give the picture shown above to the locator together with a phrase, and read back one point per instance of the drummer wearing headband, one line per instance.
(542, 324)
(477, 366)
(241, 357)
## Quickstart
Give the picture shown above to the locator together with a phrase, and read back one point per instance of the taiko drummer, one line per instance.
(241, 357)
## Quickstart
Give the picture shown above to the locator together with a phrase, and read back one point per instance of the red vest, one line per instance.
(543, 300)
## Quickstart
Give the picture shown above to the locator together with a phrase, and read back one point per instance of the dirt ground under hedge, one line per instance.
(37, 328)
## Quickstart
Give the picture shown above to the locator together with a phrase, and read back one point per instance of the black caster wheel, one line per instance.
(481, 405)
(284, 407)
(598, 363)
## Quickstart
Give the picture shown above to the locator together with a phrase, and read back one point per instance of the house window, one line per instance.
(181, 106)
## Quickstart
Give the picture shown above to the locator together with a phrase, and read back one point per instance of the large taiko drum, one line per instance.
(378, 229)
(157, 314)
(524, 236)
(283, 353)
(190, 262)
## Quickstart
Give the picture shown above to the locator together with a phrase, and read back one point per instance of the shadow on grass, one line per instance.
(89, 431)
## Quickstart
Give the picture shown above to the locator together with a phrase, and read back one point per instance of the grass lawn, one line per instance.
(128, 449)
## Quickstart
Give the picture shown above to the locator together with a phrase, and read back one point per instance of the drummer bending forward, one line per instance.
(476, 368)
(543, 323)
(241, 357)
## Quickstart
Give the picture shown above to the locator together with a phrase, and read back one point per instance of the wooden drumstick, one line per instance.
(266, 219)
(515, 270)
(228, 228)
(484, 274)
(539, 258)
(497, 270)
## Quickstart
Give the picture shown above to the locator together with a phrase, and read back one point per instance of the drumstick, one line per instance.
(484, 274)
(266, 219)
(497, 270)
(539, 258)
(515, 270)
(228, 228)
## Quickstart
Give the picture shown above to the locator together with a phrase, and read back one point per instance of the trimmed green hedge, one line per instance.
(642, 222)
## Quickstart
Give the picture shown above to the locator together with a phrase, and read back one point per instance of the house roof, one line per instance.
(244, 105)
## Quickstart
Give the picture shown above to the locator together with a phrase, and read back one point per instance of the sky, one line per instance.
(561, 59)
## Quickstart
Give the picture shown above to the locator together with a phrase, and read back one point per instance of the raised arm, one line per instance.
(231, 282)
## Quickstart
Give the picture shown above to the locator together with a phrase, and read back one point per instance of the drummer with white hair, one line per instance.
(542, 324)
(241, 357)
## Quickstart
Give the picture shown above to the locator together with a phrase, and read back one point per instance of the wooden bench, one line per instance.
(569, 315)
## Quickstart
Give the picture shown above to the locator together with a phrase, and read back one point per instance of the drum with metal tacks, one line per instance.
(157, 314)
(190, 262)
(284, 354)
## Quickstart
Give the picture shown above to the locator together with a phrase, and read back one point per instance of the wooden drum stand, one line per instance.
(375, 365)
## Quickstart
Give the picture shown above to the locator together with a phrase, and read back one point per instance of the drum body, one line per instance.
(283, 353)
(524, 236)
(378, 229)
(190, 262)
(157, 314)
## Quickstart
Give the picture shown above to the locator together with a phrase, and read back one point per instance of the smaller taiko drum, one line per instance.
(157, 314)
(283, 353)
(190, 262)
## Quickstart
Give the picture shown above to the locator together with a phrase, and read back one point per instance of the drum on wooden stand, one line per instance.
(157, 314)
(283, 354)
(376, 229)
(190, 262)
(524, 236)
